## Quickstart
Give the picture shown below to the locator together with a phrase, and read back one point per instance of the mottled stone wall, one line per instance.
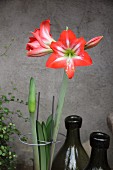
(90, 92)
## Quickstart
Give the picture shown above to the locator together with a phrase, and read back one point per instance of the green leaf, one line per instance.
(0, 102)
(12, 97)
(48, 120)
(42, 149)
(6, 110)
(47, 147)
(44, 131)
(49, 128)
(49, 136)
(0, 152)
(4, 97)
(14, 88)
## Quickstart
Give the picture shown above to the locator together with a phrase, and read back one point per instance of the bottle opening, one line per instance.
(73, 122)
(99, 140)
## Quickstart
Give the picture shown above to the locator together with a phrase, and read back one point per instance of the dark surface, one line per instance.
(24, 167)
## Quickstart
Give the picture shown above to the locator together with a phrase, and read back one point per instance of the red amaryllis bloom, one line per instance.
(93, 42)
(68, 52)
(39, 44)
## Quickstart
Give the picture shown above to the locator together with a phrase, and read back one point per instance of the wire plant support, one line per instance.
(42, 143)
(42, 139)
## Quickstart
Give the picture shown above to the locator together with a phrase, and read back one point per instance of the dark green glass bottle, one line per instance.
(100, 143)
(72, 155)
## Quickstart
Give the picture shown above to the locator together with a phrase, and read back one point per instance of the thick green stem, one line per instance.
(59, 111)
(34, 139)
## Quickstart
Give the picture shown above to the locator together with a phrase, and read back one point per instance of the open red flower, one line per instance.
(39, 44)
(68, 52)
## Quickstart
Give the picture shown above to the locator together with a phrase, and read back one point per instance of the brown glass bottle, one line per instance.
(72, 155)
(100, 143)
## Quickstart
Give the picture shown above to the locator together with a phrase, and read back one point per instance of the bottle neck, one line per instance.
(73, 136)
(98, 157)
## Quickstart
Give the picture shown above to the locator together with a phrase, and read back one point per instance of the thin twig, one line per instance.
(52, 117)
(52, 126)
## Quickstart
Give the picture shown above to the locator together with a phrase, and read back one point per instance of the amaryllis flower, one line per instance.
(39, 44)
(68, 53)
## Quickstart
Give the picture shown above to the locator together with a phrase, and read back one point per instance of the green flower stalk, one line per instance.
(59, 112)
(32, 109)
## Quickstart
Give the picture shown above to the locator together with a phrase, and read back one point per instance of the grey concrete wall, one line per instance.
(90, 92)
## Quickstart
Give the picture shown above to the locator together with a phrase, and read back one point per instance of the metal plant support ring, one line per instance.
(42, 143)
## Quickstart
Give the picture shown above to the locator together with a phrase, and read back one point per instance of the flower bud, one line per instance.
(32, 96)
(93, 42)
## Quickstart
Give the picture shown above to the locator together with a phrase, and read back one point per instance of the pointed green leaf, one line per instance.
(42, 149)
(50, 127)
(48, 120)
(47, 147)
(44, 131)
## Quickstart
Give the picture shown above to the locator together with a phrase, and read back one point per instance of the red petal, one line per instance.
(83, 60)
(36, 31)
(78, 45)
(45, 28)
(67, 37)
(37, 36)
(51, 58)
(58, 48)
(55, 61)
(34, 44)
(28, 47)
(70, 68)
(31, 39)
(93, 42)
(39, 52)
(45, 31)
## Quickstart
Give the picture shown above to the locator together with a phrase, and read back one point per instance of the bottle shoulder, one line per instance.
(70, 156)
(74, 147)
